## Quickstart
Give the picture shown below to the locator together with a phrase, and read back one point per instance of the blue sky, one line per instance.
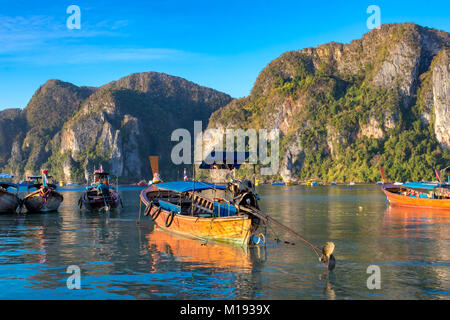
(220, 44)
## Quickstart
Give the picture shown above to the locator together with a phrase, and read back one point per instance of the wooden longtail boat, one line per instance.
(417, 194)
(100, 195)
(44, 198)
(408, 197)
(179, 207)
(9, 201)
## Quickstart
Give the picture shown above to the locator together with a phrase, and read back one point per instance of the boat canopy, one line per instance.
(224, 160)
(6, 176)
(38, 177)
(420, 185)
(185, 186)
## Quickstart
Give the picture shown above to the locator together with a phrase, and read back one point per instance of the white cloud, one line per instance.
(40, 40)
(31, 33)
(91, 54)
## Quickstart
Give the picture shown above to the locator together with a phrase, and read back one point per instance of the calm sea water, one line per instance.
(119, 259)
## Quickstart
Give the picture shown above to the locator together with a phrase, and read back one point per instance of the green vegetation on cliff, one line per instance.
(352, 107)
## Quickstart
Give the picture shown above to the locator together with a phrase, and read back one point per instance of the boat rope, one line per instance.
(140, 205)
(267, 218)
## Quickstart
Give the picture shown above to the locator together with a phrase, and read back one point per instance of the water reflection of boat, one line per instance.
(416, 212)
(414, 222)
(204, 254)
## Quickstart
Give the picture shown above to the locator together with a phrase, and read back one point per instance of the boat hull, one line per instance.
(236, 229)
(34, 202)
(398, 200)
(8, 202)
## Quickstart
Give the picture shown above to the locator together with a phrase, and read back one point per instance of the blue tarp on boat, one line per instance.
(224, 209)
(185, 186)
(420, 185)
(170, 206)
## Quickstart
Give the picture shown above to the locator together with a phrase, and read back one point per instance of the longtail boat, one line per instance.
(418, 194)
(185, 208)
(197, 210)
(100, 195)
(45, 198)
(181, 208)
(9, 201)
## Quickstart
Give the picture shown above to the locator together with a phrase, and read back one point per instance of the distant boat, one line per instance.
(278, 183)
(351, 183)
(311, 183)
(379, 183)
(9, 201)
(417, 194)
(333, 183)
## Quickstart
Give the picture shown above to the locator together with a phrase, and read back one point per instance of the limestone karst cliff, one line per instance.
(342, 110)
(345, 109)
(71, 129)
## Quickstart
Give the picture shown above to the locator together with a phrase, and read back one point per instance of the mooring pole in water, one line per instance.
(193, 188)
(140, 205)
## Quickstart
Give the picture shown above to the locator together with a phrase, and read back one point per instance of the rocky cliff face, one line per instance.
(440, 105)
(71, 130)
(345, 109)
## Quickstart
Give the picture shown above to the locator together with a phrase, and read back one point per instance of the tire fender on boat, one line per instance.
(148, 209)
(169, 219)
(156, 213)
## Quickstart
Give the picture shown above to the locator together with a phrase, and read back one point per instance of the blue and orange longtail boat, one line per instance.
(418, 194)
(181, 207)
(200, 209)
(197, 210)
